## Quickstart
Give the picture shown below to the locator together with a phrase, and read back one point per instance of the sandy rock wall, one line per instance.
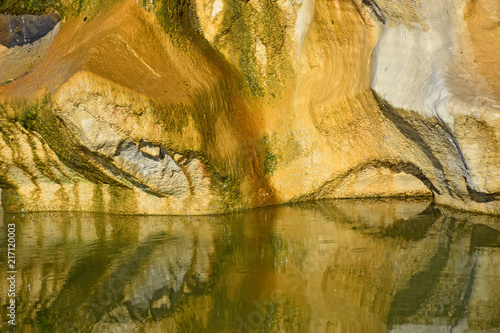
(212, 106)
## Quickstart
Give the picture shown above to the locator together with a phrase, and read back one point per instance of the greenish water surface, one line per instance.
(331, 266)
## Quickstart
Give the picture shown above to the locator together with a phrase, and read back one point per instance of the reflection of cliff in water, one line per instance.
(339, 266)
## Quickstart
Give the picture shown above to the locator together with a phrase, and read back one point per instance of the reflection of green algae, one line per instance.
(283, 313)
(287, 252)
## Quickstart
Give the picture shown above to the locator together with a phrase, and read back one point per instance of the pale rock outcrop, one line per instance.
(430, 67)
(213, 106)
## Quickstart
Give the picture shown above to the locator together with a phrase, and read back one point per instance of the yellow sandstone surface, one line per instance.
(215, 106)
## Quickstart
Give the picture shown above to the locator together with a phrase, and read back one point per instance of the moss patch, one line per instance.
(98, 199)
(271, 160)
(29, 115)
(123, 200)
(65, 8)
(278, 151)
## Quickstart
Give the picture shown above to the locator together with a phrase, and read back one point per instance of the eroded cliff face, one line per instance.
(210, 106)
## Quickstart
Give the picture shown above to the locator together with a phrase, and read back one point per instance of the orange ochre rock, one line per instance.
(214, 106)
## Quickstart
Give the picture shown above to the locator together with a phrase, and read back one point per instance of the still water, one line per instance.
(332, 266)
